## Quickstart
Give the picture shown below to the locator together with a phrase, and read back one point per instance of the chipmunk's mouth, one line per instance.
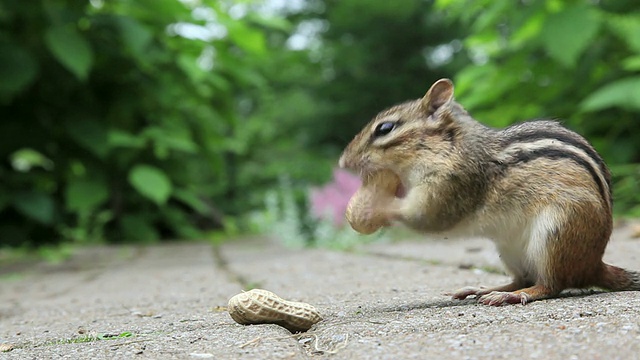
(366, 169)
(367, 172)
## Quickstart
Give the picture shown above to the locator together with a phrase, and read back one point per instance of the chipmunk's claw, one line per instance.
(498, 298)
(467, 291)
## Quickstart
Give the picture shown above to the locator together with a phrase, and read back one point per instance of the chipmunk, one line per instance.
(538, 190)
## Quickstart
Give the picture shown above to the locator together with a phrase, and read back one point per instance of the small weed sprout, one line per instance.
(92, 338)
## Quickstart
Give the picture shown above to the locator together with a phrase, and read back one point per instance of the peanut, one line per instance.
(361, 213)
(260, 306)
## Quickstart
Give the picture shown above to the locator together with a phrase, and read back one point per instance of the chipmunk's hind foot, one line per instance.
(465, 292)
(522, 296)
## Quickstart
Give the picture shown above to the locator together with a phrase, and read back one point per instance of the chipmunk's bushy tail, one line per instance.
(619, 279)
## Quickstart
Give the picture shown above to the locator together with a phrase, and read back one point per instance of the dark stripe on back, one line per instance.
(526, 156)
(526, 137)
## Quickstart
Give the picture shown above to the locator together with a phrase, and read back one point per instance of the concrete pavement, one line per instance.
(383, 301)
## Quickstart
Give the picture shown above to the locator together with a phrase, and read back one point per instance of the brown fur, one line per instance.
(537, 189)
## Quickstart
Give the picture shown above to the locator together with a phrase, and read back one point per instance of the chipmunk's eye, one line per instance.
(384, 128)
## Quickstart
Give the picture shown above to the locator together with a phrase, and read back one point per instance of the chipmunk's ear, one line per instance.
(440, 93)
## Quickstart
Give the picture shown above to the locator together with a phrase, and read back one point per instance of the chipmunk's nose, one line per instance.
(342, 162)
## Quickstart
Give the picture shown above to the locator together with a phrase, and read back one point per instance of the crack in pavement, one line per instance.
(223, 265)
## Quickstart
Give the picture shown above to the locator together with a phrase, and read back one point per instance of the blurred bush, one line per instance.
(121, 120)
(136, 120)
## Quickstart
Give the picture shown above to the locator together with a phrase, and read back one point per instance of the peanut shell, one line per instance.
(360, 212)
(260, 306)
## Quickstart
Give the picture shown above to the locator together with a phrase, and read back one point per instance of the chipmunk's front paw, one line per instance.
(467, 291)
(498, 298)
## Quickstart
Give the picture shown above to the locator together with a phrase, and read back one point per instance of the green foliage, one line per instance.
(84, 195)
(37, 206)
(620, 93)
(124, 117)
(151, 183)
(149, 119)
(559, 37)
(17, 69)
(70, 49)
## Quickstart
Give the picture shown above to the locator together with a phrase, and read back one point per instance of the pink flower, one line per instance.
(330, 201)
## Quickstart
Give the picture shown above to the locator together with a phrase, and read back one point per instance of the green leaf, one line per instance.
(490, 15)
(180, 223)
(443, 4)
(138, 228)
(272, 22)
(468, 79)
(151, 183)
(189, 64)
(90, 134)
(18, 69)
(84, 195)
(136, 36)
(191, 199)
(631, 63)
(26, 158)
(248, 39)
(567, 34)
(627, 28)
(70, 49)
(173, 138)
(622, 93)
(528, 31)
(36, 205)
(119, 138)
